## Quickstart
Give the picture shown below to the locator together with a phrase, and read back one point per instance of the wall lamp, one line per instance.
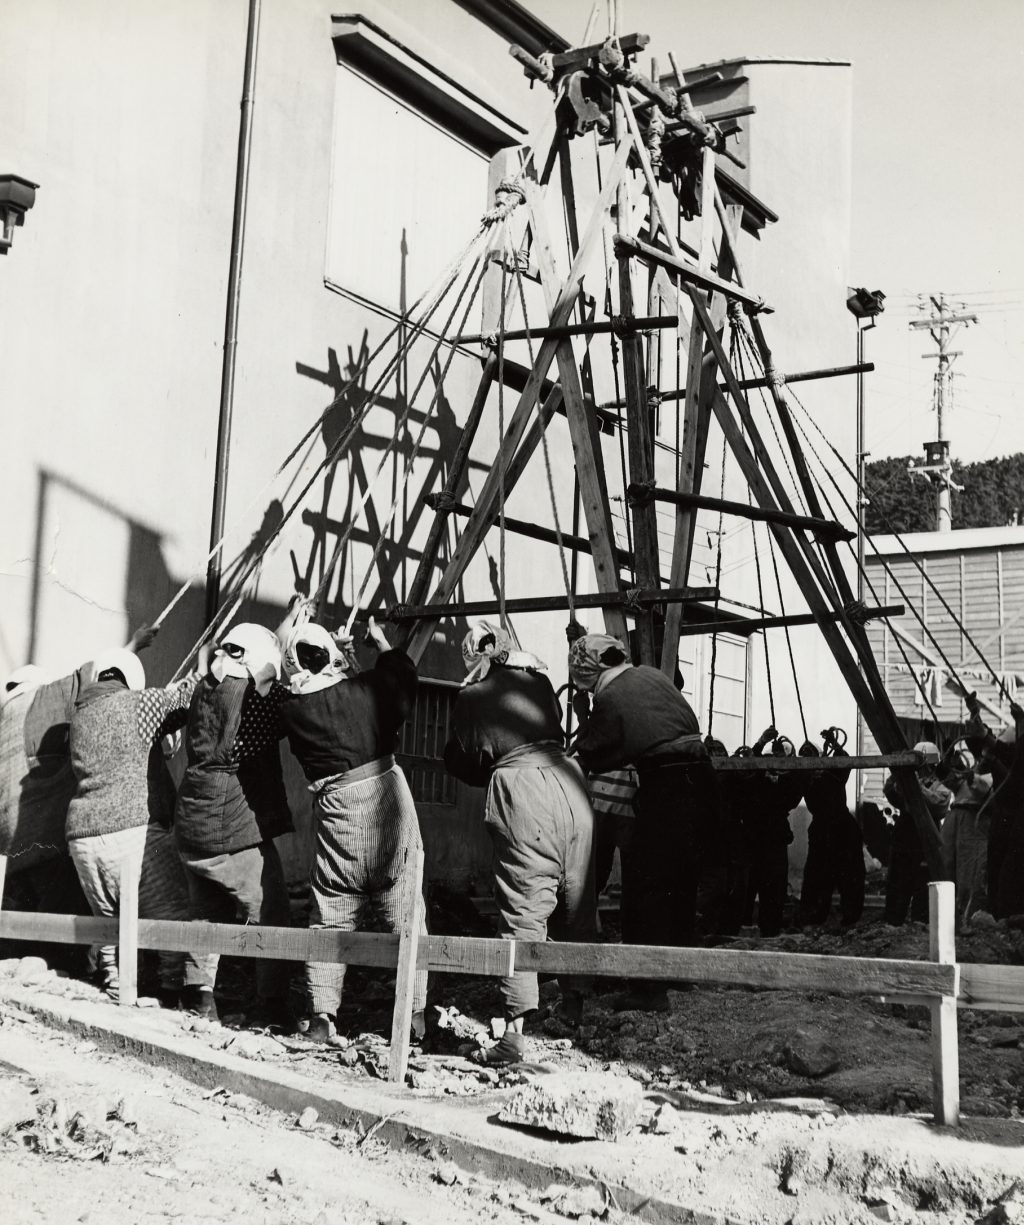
(17, 195)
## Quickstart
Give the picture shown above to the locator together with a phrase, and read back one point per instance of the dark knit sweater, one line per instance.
(509, 708)
(232, 796)
(113, 730)
(334, 730)
(637, 718)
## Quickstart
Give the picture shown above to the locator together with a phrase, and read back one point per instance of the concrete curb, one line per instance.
(465, 1134)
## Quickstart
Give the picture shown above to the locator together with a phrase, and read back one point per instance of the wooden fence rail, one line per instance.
(941, 983)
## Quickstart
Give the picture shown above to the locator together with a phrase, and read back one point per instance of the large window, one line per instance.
(406, 196)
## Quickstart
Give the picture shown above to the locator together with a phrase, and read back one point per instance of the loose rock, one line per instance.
(808, 1054)
(584, 1104)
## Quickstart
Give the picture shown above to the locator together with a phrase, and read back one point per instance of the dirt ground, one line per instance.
(761, 1106)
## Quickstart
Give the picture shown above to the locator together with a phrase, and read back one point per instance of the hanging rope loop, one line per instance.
(508, 196)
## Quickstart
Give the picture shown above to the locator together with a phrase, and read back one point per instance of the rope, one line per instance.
(735, 351)
(502, 619)
(436, 290)
(718, 592)
(789, 641)
(1000, 684)
(547, 461)
(910, 668)
(481, 264)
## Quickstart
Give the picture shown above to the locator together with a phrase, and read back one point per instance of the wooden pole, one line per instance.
(128, 935)
(3, 878)
(808, 523)
(945, 1055)
(413, 921)
(620, 602)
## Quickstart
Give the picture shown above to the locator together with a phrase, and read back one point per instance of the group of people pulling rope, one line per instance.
(83, 767)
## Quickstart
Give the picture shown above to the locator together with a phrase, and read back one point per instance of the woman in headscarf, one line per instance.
(906, 885)
(343, 730)
(640, 718)
(232, 805)
(507, 736)
(835, 846)
(117, 818)
(768, 799)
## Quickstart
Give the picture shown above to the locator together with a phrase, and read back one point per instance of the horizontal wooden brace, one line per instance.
(475, 955)
(626, 600)
(750, 625)
(519, 527)
(625, 245)
(617, 325)
(639, 494)
(762, 765)
(738, 112)
(787, 971)
(802, 376)
(575, 57)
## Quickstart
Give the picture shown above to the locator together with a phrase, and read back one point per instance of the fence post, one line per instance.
(945, 1055)
(3, 878)
(128, 934)
(413, 915)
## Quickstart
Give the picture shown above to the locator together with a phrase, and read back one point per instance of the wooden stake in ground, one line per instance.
(413, 915)
(128, 936)
(945, 1055)
(3, 877)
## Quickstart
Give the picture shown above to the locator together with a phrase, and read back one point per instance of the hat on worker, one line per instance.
(339, 652)
(593, 654)
(24, 680)
(120, 659)
(487, 644)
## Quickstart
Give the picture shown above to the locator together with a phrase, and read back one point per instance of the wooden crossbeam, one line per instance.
(597, 327)
(624, 601)
(685, 271)
(820, 527)
(487, 501)
(799, 376)
(781, 765)
(750, 625)
(520, 527)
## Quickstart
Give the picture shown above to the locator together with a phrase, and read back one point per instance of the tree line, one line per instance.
(992, 495)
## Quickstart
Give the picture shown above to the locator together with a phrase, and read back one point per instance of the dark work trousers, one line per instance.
(906, 885)
(1008, 875)
(675, 802)
(768, 881)
(541, 826)
(247, 885)
(835, 863)
(611, 830)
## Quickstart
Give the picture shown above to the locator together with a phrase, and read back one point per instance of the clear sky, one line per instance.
(938, 180)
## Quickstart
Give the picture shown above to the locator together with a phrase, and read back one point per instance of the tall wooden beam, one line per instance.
(487, 501)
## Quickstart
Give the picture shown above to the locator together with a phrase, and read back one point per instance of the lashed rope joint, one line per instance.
(508, 195)
(654, 398)
(775, 377)
(441, 502)
(631, 599)
(856, 611)
(399, 612)
(623, 326)
(640, 493)
(734, 309)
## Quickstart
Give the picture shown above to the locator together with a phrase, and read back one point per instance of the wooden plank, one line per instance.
(598, 327)
(583, 433)
(827, 527)
(128, 935)
(945, 1055)
(475, 530)
(684, 270)
(907, 757)
(456, 471)
(413, 919)
(997, 987)
(467, 955)
(639, 442)
(801, 376)
(747, 625)
(614, 600)
(785, 971)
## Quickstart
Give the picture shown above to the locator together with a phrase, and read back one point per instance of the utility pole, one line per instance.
(943, 325)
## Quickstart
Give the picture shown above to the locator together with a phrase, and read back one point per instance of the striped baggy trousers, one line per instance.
(149, 851)
(365, 822)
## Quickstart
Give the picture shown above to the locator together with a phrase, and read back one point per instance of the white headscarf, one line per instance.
(125, 661)
(340, 659)
(260, 659)
(488, 644)
(24, 680)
